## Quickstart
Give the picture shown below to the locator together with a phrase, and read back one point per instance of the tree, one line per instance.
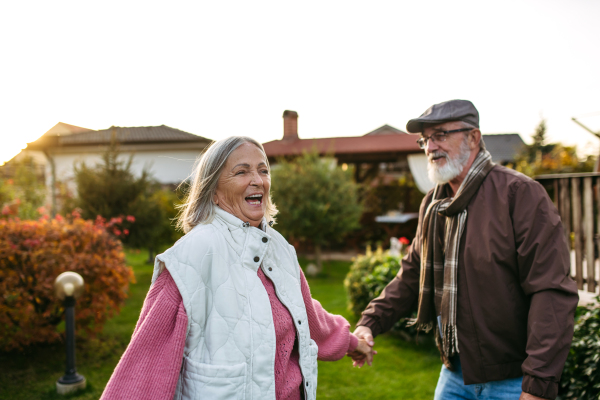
(23, 194)
(317, 201)
(111, 190)
(539, 136)
(156, 227)
(550, 158)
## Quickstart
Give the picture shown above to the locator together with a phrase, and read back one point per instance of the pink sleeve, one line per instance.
(330, 332)
(150, 366)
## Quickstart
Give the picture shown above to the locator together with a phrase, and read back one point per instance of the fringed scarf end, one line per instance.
(449, 340)
(426, 327)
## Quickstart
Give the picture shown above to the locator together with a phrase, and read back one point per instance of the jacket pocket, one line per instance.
(214, 382)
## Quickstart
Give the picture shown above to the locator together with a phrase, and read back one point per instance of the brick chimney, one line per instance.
(290, 125)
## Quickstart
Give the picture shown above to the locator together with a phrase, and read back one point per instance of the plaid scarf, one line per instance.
(442, 227)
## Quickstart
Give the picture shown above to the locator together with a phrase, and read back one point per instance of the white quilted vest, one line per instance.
(230, 345)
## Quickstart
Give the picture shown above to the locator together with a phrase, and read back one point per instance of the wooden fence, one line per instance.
(577, 198)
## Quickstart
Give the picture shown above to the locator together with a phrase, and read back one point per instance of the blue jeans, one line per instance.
(451, 386)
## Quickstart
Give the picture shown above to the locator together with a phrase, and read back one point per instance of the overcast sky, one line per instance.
(220, 68)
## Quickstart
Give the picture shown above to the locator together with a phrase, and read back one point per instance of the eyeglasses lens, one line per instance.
(436, 137)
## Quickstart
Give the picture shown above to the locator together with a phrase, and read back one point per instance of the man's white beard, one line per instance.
(453, 166)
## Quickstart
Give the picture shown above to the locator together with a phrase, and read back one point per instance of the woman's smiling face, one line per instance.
(244, 184)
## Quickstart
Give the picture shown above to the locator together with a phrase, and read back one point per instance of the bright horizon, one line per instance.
(225, 68)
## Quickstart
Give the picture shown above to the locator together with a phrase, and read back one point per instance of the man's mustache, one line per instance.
(437, 154)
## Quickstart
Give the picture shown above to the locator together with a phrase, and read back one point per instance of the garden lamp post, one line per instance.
(68, 286)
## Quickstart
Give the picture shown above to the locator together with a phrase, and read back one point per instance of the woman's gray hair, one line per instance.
(468, 125)
(198, 207)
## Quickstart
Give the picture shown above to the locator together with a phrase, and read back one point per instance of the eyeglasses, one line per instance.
(439, 137)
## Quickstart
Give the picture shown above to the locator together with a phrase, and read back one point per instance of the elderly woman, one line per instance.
(229, 314)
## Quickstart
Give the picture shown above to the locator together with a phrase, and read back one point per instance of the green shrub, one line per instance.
(581, 375)
(368, 276)
(364, 284)
(33, 254)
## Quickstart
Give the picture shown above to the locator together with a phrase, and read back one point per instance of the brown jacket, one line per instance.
(516, 301)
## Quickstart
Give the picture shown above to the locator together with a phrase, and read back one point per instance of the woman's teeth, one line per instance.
(254, 200)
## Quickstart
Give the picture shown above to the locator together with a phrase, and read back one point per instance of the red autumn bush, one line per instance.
(33, 254)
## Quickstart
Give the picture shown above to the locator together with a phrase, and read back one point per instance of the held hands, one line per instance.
(364, 351)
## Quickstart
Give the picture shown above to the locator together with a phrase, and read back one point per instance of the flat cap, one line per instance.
(451, 110)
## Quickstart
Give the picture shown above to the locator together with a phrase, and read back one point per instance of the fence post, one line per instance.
(597, 236)
(565, 208)
(576, 205)
(588, 221)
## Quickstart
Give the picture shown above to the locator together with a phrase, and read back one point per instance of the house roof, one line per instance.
(504, 146)
(344, 145)
(382, 143)
(62, 129)
(137, 134)
(124, 135)
(385, 142)
(386, 130)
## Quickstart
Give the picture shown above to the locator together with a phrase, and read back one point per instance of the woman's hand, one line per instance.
(363, 353)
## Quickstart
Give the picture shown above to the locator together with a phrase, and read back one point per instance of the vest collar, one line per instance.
(234, 222)
(246, 240)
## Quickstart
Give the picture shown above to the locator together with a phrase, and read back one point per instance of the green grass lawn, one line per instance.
(401, 370)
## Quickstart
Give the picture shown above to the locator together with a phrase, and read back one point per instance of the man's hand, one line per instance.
(363, 332)
(527, 396)
(364, 351)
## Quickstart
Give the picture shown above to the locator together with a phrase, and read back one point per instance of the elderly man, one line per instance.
(488, 269)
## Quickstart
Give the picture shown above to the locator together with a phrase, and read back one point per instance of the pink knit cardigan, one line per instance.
(150, 366)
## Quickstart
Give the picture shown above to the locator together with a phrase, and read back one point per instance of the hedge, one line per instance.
(368, 276)
(581, 375)
(34, 253)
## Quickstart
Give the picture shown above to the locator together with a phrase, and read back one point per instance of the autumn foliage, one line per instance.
(34, 253)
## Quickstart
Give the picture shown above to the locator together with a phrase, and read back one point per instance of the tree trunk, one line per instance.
(54, 207)
(318, 257)
(151, 255)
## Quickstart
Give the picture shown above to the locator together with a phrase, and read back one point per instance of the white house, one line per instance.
(168, 154)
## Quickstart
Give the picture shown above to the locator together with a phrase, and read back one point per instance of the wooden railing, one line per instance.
(577, 198)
